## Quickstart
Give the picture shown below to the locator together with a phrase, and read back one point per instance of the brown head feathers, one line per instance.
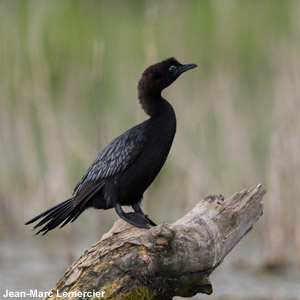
(156, 78)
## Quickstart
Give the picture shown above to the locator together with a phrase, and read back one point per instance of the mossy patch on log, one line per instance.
(137, 293)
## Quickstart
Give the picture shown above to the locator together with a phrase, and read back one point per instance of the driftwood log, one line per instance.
(167, 260)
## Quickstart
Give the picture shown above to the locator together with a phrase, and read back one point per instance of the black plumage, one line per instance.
(116, 156)
(126, 167)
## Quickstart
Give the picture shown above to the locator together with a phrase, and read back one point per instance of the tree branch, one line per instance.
(167, 260)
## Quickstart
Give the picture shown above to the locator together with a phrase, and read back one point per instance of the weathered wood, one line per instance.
(167, 260)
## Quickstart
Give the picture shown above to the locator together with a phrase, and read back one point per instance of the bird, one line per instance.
(127, 166)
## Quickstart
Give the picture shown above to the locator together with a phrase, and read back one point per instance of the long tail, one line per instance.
(64, 212)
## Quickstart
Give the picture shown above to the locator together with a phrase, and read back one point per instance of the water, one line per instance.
(26, 265)
(33, 264)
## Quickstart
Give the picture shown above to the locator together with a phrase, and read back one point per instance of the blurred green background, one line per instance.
(69, 71)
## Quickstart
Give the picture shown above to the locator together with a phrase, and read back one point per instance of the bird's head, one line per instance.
(160, 75)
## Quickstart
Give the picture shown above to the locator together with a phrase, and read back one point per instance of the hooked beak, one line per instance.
(185, 68)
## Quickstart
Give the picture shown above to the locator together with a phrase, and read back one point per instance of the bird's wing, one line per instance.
(115, 157)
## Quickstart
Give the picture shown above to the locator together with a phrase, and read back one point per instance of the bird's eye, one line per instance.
(172, 68)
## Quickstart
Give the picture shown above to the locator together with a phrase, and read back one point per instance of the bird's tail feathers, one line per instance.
(61, 213)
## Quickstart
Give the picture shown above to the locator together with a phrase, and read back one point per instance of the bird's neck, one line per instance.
(152, 102)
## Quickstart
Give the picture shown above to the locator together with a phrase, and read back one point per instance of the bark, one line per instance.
(167, 260)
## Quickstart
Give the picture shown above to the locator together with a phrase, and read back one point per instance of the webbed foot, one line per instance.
(134, 218)
(136, 207)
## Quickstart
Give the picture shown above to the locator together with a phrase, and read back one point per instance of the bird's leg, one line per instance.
(136, 219)
(136, 207)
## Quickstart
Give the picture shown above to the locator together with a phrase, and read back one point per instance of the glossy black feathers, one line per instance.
(127, 166)
(54, 216)
(112, 160)
(115, 157)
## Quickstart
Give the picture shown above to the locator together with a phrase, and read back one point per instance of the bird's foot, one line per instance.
(137, 220)
(136, 207)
